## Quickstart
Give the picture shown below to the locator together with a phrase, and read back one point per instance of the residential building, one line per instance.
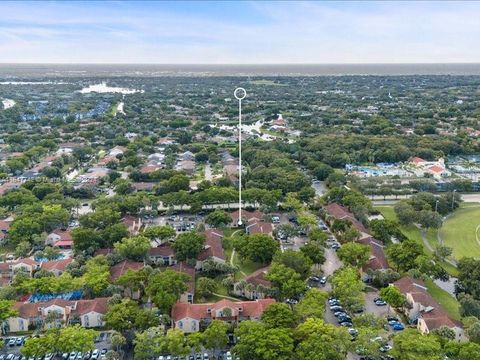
(87, 313)
(194, 317)
(213, 248)
(254, 286)
(162, 255)
(182, 267)
(424, 310)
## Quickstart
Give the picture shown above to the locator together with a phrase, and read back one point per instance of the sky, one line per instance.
(243, 32)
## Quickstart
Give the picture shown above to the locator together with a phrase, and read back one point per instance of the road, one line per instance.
(390, 200)
(319, 187)
(208, 172)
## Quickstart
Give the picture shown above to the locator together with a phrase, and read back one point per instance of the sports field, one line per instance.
(461, 232)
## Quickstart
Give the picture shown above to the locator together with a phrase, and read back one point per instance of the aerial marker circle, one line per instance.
(240, 93)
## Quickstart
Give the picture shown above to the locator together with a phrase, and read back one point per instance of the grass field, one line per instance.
(448, 302)
(459, 232)
(412, 232)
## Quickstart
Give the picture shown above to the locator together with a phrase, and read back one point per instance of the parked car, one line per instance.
(49, 357)
(73, 356)
(95, 354)
(20, 341)
(336, 308)
(385, 348)
(379, 302)
(323, 280)
(347, 324)
(12, 342)
(398, 327)
(228, 355)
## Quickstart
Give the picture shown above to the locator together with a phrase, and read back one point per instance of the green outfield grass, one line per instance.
(413, 233)
(460, 232)
(448, 302)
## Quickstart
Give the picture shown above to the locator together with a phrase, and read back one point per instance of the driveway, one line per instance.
(370, 307)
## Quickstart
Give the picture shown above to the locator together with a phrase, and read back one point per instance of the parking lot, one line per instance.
(102, 344)
(181, 223)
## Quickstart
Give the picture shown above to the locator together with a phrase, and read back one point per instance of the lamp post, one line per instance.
(436, 205)
(453, 197)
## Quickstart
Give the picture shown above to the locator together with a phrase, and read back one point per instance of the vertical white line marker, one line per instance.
(240, 94)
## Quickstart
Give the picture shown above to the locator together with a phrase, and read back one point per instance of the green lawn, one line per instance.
(412, 232)
(448, 302)
(459, 232)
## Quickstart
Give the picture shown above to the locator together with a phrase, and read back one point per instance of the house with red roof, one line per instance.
(56, 267)
(59, 235)
(212, 249)
(162, 255)
(88, 313)
(339, 212)
(191, 317)
(378, 259)
(133, 223)
(183, 267)
(121, 268)
(423, 309)
(254, 286)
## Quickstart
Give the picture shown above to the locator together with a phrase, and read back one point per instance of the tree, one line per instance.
(385, 230)
(85, 238)
(218, 218)
(23, 249)
(411, 345)
(159, 233)
(348, 287)
(215, 336)
(60, 340)
(127, 316)
(321, 341)
(286, 282)
(429, 219)
(206, 286)
(6, 310)
(24, 229)
(166, 287)
(405, 213)
(314, 252)
(257, 342)
(135, 247)
(149, 343)
(318, 236)
(188, 246)
(354, 254)
(472, 328)
(258, 247)
(97, 274)
(278, 315)
(404, 254)
(176, 343)
(295, 260)
(393, 296)
(312, 304)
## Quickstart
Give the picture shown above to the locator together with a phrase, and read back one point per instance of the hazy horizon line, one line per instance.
(245, 64)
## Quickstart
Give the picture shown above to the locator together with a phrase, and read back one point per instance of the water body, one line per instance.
(16, 71)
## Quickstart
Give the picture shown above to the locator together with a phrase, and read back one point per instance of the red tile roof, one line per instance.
(119, 269)
(64, 235)
(417, 160)
(259, 227)
(258, 278)
(341, 213)
(200, 311)
(190, 271)
(213, 245)
(434, 315)
(436, 169)
(247, 215)
(378, 259)
(162, 250)
(59, 265)
(79, 307)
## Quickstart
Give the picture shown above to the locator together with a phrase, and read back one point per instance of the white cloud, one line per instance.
(307, 32)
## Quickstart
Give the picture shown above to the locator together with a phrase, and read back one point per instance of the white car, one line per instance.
(228, 355)
(73, 355)
(95, 354)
